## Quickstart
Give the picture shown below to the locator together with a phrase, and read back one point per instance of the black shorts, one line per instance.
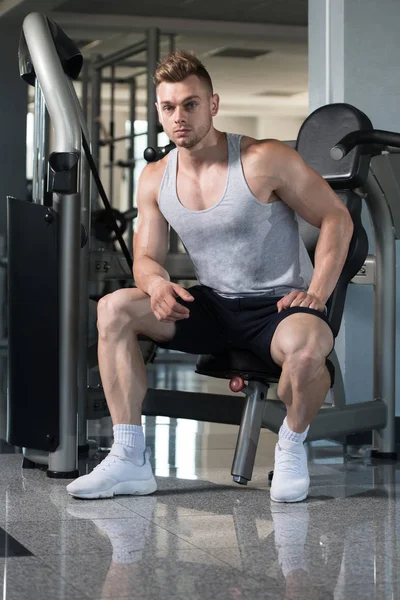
(218, 324)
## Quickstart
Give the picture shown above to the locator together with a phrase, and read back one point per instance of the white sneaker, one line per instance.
(291, 481)
(115, 475)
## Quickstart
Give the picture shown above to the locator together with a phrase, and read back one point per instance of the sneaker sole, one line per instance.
(299, 499)
(137, 488)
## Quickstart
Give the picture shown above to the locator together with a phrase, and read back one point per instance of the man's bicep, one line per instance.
(151, 236)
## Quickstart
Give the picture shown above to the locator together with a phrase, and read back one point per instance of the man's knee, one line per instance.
(113, 314)
(305, 363)
(302, 339)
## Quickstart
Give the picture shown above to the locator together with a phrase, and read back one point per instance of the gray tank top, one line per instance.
(239, 247)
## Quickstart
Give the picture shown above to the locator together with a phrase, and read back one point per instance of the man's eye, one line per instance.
(191, 105)
(168, 108)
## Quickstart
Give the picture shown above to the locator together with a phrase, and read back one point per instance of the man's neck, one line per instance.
(212, 149)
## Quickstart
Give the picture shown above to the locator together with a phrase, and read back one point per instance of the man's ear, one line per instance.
(214, 105)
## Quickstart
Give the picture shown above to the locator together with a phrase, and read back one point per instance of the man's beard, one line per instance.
(194, 138)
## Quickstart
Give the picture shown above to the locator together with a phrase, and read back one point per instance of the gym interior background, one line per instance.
(201, 535)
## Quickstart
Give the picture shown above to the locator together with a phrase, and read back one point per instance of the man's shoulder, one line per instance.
(250, 145)
(153, 172)
(259, 153)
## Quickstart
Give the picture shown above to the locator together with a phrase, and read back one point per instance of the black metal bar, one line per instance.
(120, 80)
(111, 147)
(153, 53)
(139, 73)
(133, 63)
(85, 90)
(121, 55)
(107, 205)
(95, 127)
(214, 408)
(131, 156)
(111, 140)
(369, 136)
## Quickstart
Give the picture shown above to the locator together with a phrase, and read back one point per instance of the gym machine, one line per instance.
(46, 300)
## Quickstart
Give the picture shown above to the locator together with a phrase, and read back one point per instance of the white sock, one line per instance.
(290, 538)
(127, 538)
(132, 438)
(285, 433)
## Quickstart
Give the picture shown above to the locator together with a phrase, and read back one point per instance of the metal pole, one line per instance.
(173, 237)
(84, 307)
(64, 459)
(153, 53)
(131, 155)
(117, 57)
(85, 220)
(133, 64)
(40, 147)
(2, 290)
(385, 311)
(95, 126)
(111, 147)
(36, 142)
(54, 85)
(85, 90)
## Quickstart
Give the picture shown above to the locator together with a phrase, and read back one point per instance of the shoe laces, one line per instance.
(289, 461)
(108, 462)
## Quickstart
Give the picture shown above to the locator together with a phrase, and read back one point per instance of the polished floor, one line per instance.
(200, 536)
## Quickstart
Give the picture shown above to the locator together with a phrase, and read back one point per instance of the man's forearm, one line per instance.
(147, 272)
(330, 255)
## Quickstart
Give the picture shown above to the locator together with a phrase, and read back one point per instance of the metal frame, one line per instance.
(40, 147)
(150, 45)
(67, 138)
(3, 277)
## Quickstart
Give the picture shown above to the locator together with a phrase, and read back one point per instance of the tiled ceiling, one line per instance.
(287, 12)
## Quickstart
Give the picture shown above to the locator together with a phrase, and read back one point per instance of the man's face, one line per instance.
(186, 109)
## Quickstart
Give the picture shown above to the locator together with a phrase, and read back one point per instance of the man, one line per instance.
(232, 200)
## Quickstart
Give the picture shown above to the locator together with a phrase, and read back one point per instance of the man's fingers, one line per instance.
(306, 303)
(299, 298)
(175, 306)
(317, 306)
(286, 302)
(175, 314)
(182, 293)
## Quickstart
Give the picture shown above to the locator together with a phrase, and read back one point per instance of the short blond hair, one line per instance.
(179, 65)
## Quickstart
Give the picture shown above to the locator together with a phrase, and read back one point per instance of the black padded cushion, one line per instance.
(358, 251)
(69, 54)
(241, 363)
(321, 131)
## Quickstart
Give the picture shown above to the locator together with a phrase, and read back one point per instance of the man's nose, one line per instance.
(179, 115)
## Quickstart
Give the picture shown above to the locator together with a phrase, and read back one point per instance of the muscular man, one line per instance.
(232, 200)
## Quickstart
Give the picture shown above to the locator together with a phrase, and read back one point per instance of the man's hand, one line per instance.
(164, 305)
(298, 298)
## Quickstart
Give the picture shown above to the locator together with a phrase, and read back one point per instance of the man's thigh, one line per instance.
(283, 330)
(202, 332)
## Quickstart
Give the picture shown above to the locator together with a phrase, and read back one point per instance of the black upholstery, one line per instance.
(241, 363)
(231, 363)
(320, 131)
(69, 54)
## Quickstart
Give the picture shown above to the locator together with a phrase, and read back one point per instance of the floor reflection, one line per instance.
(200, 535)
